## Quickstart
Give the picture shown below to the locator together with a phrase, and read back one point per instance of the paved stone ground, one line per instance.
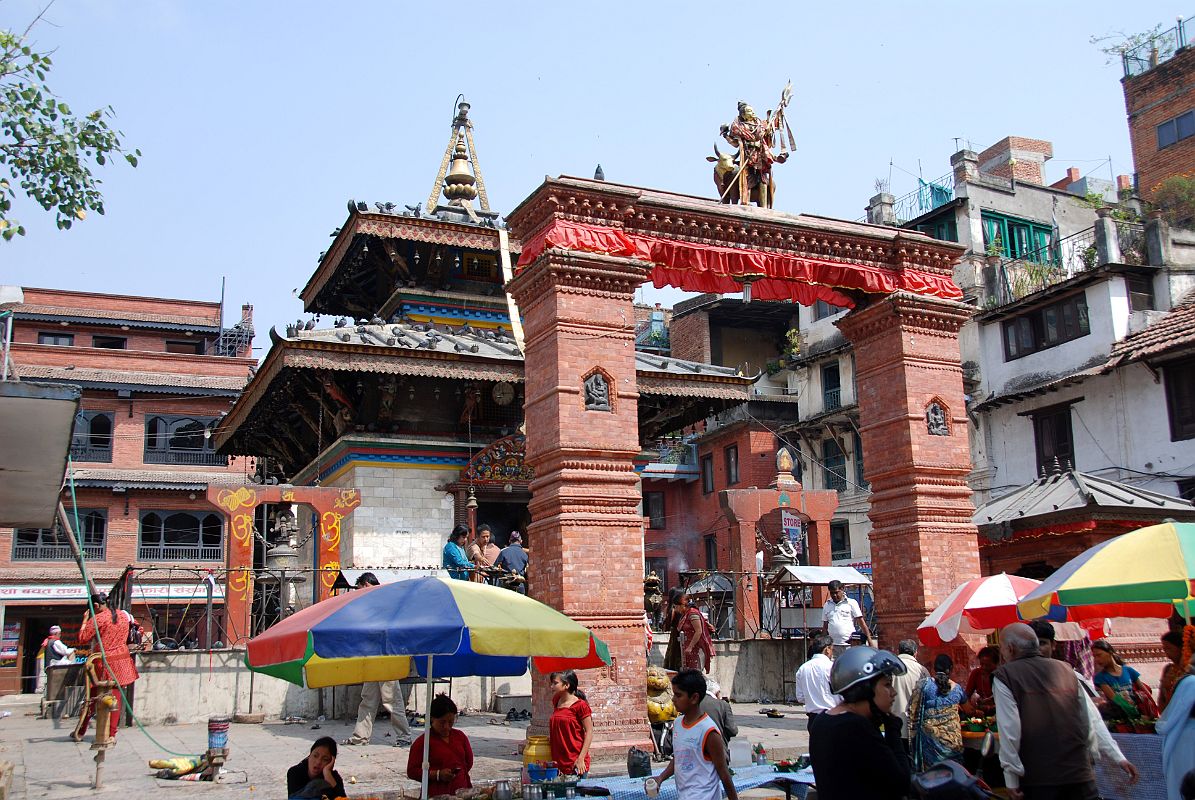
(49, 765)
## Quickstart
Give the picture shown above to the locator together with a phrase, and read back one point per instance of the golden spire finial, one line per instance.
(463, 183)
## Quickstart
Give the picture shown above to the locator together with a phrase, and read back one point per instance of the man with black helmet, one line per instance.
(855, 747)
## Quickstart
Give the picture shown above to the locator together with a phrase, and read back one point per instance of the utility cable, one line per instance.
(94, 621)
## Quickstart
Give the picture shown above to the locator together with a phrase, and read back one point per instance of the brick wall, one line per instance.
(204, 312)
(1150, 99)
(691, 515)
(690, 337)
(1016, 157)
(145, 354)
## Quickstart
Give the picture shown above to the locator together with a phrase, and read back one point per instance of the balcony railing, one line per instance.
(1155, 50)
(205, 458)
(1041, 268)
(84, 453)
(832, 399)
(54, 552)
(179, 553)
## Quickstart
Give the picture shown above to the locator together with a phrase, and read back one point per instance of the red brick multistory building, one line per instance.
(157, 375)
(1159, 97)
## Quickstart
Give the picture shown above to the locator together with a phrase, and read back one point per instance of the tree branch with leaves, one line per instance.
(46, 149)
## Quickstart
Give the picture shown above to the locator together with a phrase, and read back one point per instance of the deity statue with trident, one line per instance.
(745, 176)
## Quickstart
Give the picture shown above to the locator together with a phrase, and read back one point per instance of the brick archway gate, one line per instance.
(587, 246)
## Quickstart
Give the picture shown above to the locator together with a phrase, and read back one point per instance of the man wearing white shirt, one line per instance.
(904, 685)
(840, 615)
(813, 679)
(1049, 728)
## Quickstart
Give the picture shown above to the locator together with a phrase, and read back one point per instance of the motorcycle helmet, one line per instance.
(860, 666)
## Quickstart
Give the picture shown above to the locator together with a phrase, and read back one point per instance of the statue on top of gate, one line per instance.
(745, 176)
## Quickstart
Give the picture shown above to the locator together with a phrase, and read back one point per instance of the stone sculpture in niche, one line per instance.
(597, 393)
(935, 420)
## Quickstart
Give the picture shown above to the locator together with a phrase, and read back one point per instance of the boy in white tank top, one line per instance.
(698, 752)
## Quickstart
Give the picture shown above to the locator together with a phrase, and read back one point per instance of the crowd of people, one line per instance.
(483, 561)
(1049, 701)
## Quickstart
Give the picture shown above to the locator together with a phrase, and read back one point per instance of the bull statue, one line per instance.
(745, 176)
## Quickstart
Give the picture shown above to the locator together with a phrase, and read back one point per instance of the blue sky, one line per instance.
(259, 120)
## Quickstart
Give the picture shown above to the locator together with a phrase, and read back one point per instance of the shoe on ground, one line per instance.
(402, 741)
(512, 715)
(353, 741)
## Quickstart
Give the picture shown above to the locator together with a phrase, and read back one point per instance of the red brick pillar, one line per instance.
(586, 534)
(914, 430)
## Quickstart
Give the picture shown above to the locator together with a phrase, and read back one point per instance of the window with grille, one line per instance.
(180, 536)
(52, 544)
(840, 539)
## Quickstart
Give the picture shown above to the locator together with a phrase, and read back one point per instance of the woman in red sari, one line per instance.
(113, 630)
(697, 647)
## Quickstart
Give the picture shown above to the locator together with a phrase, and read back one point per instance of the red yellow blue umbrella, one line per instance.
(1147, 572)
(390, 631)
(432, 627)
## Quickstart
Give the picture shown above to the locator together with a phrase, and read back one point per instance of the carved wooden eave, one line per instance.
(396, 225)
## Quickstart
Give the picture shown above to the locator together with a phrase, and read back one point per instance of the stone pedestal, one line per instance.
(915, 434)
(586, 532)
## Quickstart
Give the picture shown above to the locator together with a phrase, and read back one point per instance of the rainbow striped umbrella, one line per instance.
(1145, 572)
(404, 629)
(431, 627)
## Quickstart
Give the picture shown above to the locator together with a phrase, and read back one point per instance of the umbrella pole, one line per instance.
(427, 726)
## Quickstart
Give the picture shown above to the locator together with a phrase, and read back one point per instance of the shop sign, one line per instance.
(53, 593)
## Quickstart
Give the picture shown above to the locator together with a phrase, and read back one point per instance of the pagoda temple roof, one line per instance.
(674, 392)
(348, 259)
(1070, 495)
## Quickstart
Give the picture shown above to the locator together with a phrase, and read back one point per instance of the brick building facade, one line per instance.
(157, 374)
(1160, 103)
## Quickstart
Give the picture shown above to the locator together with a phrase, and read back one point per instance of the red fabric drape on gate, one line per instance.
(709, 268)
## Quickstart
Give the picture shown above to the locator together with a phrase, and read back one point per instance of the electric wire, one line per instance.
(124, 700)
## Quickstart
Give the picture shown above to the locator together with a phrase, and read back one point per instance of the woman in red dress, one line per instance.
(113, 630)
(570, 728)
(449, 755)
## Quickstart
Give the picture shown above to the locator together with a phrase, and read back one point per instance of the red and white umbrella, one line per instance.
(980, 605)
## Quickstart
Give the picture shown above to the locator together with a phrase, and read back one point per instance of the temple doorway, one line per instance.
(504, 516)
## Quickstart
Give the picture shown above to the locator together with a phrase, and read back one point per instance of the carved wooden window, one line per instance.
(711, 552)
(110, 342)
(707, 474)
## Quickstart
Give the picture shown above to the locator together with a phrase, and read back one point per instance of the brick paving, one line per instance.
(49, 765)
